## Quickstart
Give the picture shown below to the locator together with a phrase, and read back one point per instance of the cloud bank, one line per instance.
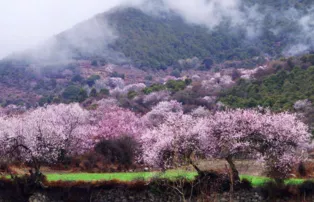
(27, 23)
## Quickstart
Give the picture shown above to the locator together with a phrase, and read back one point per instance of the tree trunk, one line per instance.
(195, 167)
(235, 172)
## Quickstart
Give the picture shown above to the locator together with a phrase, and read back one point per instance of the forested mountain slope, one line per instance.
(156, 41)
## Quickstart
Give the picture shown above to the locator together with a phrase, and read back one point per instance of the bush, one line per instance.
(89, 162)
(82, 95)
(175, 86)
(44, 100)
(149, 77)
(71, 93)
(132, 94)
(77, 78)
(104, 91)
(117, 75)
(154, 88)
(176, 73)
(93, 93)
(74, 94)
(94, 63)
(91, 80)
(120, 151)
(310, 59)
(208, 63)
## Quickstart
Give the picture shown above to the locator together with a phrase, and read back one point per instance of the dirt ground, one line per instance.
(245, 167)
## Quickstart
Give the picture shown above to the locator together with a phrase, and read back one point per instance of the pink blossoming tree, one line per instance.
(113, 122)
(161, 111)
(277, 139)
(170, 142)
(45, 134)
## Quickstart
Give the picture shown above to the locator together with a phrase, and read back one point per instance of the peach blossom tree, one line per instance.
(279, 139)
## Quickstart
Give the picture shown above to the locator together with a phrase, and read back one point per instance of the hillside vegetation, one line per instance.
(155, 42)
(279, 91)
(152, 42)
(290, 89)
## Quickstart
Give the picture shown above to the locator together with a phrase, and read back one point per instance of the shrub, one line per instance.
(94, 63)
(91, 80)
(132, 94)
(89, 162)
(77, 78)
(175, 86)
(104, 91)
(310, 59)
(71, 93)
(117, 75)
(120, 151)
(93, 93)
(176, 73)
(74, 93)
(149, 77)
(208, 63)
(154, 88)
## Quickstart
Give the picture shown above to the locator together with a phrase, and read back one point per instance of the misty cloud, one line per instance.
(254, 18)
(27, 23)
(89, 39)
(306, 38)
(209, 13)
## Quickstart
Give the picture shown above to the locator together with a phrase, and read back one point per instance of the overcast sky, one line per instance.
(25, 23)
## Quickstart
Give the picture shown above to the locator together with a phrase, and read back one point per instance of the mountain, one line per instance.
(157, 41)
(129, 35)
(154, 42)
(288, 85)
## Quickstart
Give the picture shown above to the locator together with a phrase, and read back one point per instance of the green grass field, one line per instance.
(125, 177)
(258, 180)
(255, 180)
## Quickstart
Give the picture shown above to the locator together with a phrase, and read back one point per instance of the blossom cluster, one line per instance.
(166, 134)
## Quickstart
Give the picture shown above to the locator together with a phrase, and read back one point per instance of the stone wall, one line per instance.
(125, 195)
(112, 195)
(243, 196)
(121, 195)
(255, 196)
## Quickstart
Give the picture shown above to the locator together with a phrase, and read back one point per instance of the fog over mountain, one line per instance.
(26, 23)
(31, 24)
